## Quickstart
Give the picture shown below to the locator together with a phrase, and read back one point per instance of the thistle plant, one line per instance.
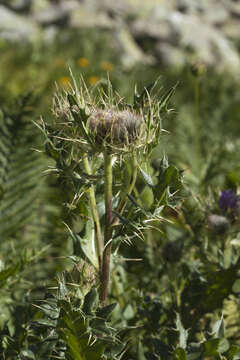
(100, 143)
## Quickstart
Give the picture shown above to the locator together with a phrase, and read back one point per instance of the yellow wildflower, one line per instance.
(83, 62)
(65, 81)
(93, 79)
(106, 65)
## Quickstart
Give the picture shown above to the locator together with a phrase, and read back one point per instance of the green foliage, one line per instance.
(19, 180)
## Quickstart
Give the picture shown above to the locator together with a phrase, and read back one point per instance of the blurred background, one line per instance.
(41, 39)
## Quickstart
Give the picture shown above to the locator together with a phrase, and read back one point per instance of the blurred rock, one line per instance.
(84, 17)
(14, 27)
(216, 15)
(204, 41)
(53, 15)
(234, 8)
(166, 31)
(169, 55)
(114, 8)
(131, 52)
(231, 29)
(20, 6)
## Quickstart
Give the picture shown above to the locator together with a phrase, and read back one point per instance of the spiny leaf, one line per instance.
(219, 328)
(166, 98)
(183, 334)
(134, 202)
(73, 329)
(180, 354)
(147, 178)
(89, 301)
(106, 311)
(138, 100)
(121, 218)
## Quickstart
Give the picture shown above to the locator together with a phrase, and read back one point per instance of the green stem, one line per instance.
(105, 274)
(197, 121)
(136, 193)
(93, 204)
(131, 184)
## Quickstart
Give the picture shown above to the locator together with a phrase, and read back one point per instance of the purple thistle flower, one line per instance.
(228, 201)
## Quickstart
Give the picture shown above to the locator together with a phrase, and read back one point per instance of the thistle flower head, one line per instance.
(198, 69)
(97, 118)
(116, 127)
(228, 201)
(218, 224)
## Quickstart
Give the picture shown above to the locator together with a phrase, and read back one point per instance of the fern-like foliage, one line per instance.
(20, 167)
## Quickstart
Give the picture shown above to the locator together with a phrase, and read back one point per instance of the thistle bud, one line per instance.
(218, 224)
(115, 127)
(198, 69)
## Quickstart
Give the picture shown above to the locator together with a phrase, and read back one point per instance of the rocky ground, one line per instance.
(157, 31)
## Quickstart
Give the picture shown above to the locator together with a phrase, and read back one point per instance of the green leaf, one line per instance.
(183, 334)
(72, 329)
(63, 291)
(140, 352)
(166, 98)
(171, 176)
(211, 347)
(236, 286)
(134, 202)
(121, 218)
(219, 328)
(72, 101)
(146, 197)
(89, 301)
(163, 200)
(180, 354)
(223, 346)
(49, 308)
(168, 178)
(233, 353)
(147, 178)
(216, 346)
(80, 117)
(45, 322)
(138, 100)
(27, 354)
(84, 247)
(95, 351)
(106, 311)
(7, 273)
(206, 292)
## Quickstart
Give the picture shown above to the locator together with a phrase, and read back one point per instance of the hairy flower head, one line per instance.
(96, 118)
(116, 127)
(218, 224)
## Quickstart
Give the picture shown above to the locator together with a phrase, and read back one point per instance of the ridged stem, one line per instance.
(93, 204)
(105, 274)
(197, 120)
(131, 184)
